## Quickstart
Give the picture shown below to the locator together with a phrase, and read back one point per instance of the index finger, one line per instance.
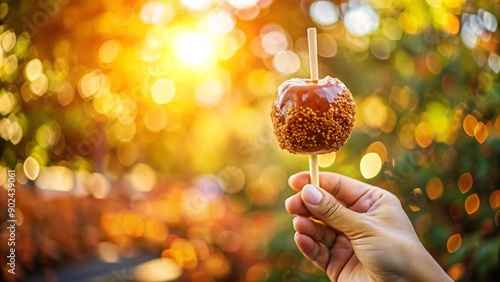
(343, 188)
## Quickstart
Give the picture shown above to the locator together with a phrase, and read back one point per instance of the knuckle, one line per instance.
(330, 208)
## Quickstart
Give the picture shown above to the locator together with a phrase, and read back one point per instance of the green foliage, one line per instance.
(88, 86)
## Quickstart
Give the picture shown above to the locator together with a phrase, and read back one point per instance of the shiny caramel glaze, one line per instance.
(313, 117)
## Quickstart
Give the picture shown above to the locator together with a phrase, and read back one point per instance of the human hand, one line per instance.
(357, 232)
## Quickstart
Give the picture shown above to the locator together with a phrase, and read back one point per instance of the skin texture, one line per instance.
(357, 232)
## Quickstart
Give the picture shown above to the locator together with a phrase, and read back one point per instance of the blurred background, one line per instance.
(140, 132)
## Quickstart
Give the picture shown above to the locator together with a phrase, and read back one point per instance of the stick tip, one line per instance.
(313, 53)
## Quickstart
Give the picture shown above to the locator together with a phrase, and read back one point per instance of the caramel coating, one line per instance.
(313, 117)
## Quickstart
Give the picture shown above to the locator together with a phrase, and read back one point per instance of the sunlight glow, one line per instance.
(141, 139)
(194, 49)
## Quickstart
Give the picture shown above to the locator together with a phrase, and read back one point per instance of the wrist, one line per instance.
(423, 267)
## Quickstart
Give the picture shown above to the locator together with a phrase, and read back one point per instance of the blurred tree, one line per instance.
(160, 110)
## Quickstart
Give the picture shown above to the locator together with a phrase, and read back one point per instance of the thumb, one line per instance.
(327, 209)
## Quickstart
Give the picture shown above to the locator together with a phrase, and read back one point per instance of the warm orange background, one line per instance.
(141, 129)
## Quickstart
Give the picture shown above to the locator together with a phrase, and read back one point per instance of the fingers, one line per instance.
(317, 231)
(313, 240)
(323, 206)
(314, 251)
(294, 205)
(341, 254)
(365, 203)
(343, 188)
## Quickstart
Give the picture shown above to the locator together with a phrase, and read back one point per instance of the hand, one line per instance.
(357, 232)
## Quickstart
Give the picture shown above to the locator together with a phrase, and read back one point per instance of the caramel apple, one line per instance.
(313, 117)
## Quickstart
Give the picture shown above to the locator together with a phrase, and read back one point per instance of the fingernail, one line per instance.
(311, 194)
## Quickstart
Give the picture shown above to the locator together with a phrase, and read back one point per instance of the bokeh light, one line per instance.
(434, 188)
(108, 252)
(454, 243)
(156, 12)
(98, 185)
(139, 131)
(456, 271)
(361, 20)
(91, 83)
(495, 199)
(273, 39)
(220, 22)
(370, 165)
(33, 69)
(472, 203)
(55, 178)
(142, 177)
(109, 51)
(162, 269)
(326, 160)
(163, 91)
(374, 111)
(324, 13)
(286, 62)
(465, 182)
(31, 168)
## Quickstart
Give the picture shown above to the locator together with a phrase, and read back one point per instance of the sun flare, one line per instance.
(195, 49)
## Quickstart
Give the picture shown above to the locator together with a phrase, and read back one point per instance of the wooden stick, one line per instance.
(313, 67)
(313, 53)
(313, 169)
